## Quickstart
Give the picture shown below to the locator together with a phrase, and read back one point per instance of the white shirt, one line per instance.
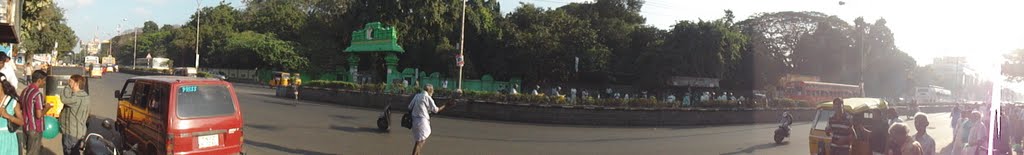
(8, 72)
(421, 105)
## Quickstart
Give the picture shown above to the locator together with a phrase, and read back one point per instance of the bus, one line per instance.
(932, 95)
(812, 92)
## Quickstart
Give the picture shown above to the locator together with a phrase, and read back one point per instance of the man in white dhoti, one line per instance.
(422, 105)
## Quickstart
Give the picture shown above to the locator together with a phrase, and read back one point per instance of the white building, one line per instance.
(954, 74)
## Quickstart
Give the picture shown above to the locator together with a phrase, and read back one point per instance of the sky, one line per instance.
(102, 18)
(981, 30)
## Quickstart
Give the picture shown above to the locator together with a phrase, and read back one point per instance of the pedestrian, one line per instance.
(34, 107)
(7, 68)
(513, 91)
(839, 129)
(422, 104)
(922, 137)
(970, 133)
(902, 142)
(536, 91)
(75, 114)
(954, 116)
(8, 138)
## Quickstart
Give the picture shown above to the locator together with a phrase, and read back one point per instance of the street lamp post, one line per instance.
(462, 44)
(198, 7)
(863, 58)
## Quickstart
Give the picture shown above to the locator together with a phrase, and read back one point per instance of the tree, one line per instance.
(1014, 66)
(774, 38)
(43, 25)
(167, 27)
(825, 53)
(268, 51)
(149, 27)
(709, 49)
(284, 18)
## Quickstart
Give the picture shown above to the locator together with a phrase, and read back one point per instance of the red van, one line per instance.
(179, 115)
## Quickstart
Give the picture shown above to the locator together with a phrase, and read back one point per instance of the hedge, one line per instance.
(553, 100)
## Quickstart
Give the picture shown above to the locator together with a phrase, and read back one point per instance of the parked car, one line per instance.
(179, 115)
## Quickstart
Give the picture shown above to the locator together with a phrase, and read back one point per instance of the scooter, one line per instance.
(781, 133)
(96, 144)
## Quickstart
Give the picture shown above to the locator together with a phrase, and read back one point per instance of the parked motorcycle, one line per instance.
(96, 144)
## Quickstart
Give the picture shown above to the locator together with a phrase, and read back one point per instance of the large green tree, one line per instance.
(42, 26)
(1014, 66)
(709, 49)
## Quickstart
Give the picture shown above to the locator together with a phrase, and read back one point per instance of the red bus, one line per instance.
(813, 92)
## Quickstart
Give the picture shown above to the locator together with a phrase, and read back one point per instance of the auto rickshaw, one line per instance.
(872, 113)
(56, 82)
(280, 79)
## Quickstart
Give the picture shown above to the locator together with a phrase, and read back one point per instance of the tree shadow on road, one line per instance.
(751, 149)
(283, 148)
(263, 127)
(281, 103)
(343, 117)
(356, 129)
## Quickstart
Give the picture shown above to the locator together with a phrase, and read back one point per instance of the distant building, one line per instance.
(92, 47)
(953, 74)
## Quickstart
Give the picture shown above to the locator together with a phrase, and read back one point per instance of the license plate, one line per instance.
(209, 141)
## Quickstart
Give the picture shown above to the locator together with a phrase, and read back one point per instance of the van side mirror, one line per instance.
(117, 94)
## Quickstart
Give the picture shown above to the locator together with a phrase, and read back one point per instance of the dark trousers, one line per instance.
(33, 142)
(70, 144)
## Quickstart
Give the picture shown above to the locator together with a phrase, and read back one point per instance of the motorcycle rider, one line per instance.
(787, 119)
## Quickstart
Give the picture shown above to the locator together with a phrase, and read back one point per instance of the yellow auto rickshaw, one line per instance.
(872, 113)
(280, 79)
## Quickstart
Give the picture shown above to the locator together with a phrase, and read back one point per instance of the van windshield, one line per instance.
(204, 101)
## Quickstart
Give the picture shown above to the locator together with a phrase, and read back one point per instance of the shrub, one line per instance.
(204, 74)
(333, 84)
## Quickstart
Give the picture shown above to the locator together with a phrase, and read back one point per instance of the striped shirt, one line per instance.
(840, 128)
(33, 97)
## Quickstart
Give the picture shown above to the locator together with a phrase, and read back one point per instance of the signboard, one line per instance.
(89, 60)
(108, 60)
(459, 60)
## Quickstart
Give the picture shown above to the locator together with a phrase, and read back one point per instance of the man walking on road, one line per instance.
(421, 106)
(902, 142)
(34, 107)
(922, 137)
(839, 130)
(75, 114)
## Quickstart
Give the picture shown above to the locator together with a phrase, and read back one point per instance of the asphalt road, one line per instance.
(283, 126)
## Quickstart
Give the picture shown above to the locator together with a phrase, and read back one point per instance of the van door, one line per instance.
(156, 107)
